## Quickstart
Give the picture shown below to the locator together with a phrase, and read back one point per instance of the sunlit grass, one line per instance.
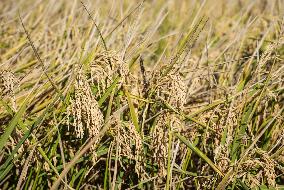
(141, 94)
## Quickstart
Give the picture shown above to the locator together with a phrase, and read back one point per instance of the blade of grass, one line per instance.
(168, 181)
(108, 91)
(188, 117)
(106, 185)
(13, 123)
(42, 152)
(133, 114)
(187, 42)
(199, 153)
(109, 107)
(7, 107)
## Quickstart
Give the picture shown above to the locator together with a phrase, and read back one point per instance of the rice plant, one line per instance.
(141, 94)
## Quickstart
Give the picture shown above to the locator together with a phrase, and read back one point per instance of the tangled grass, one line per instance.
(141, 94)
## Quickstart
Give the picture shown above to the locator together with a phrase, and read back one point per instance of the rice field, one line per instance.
(142, 94)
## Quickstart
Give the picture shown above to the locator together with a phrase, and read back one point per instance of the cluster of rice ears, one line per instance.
(141, 94)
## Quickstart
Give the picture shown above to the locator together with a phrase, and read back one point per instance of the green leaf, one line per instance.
(6, 171)
(108, 91)
(4, 138)
(133, 115)
(7, 107)
(200, 154)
